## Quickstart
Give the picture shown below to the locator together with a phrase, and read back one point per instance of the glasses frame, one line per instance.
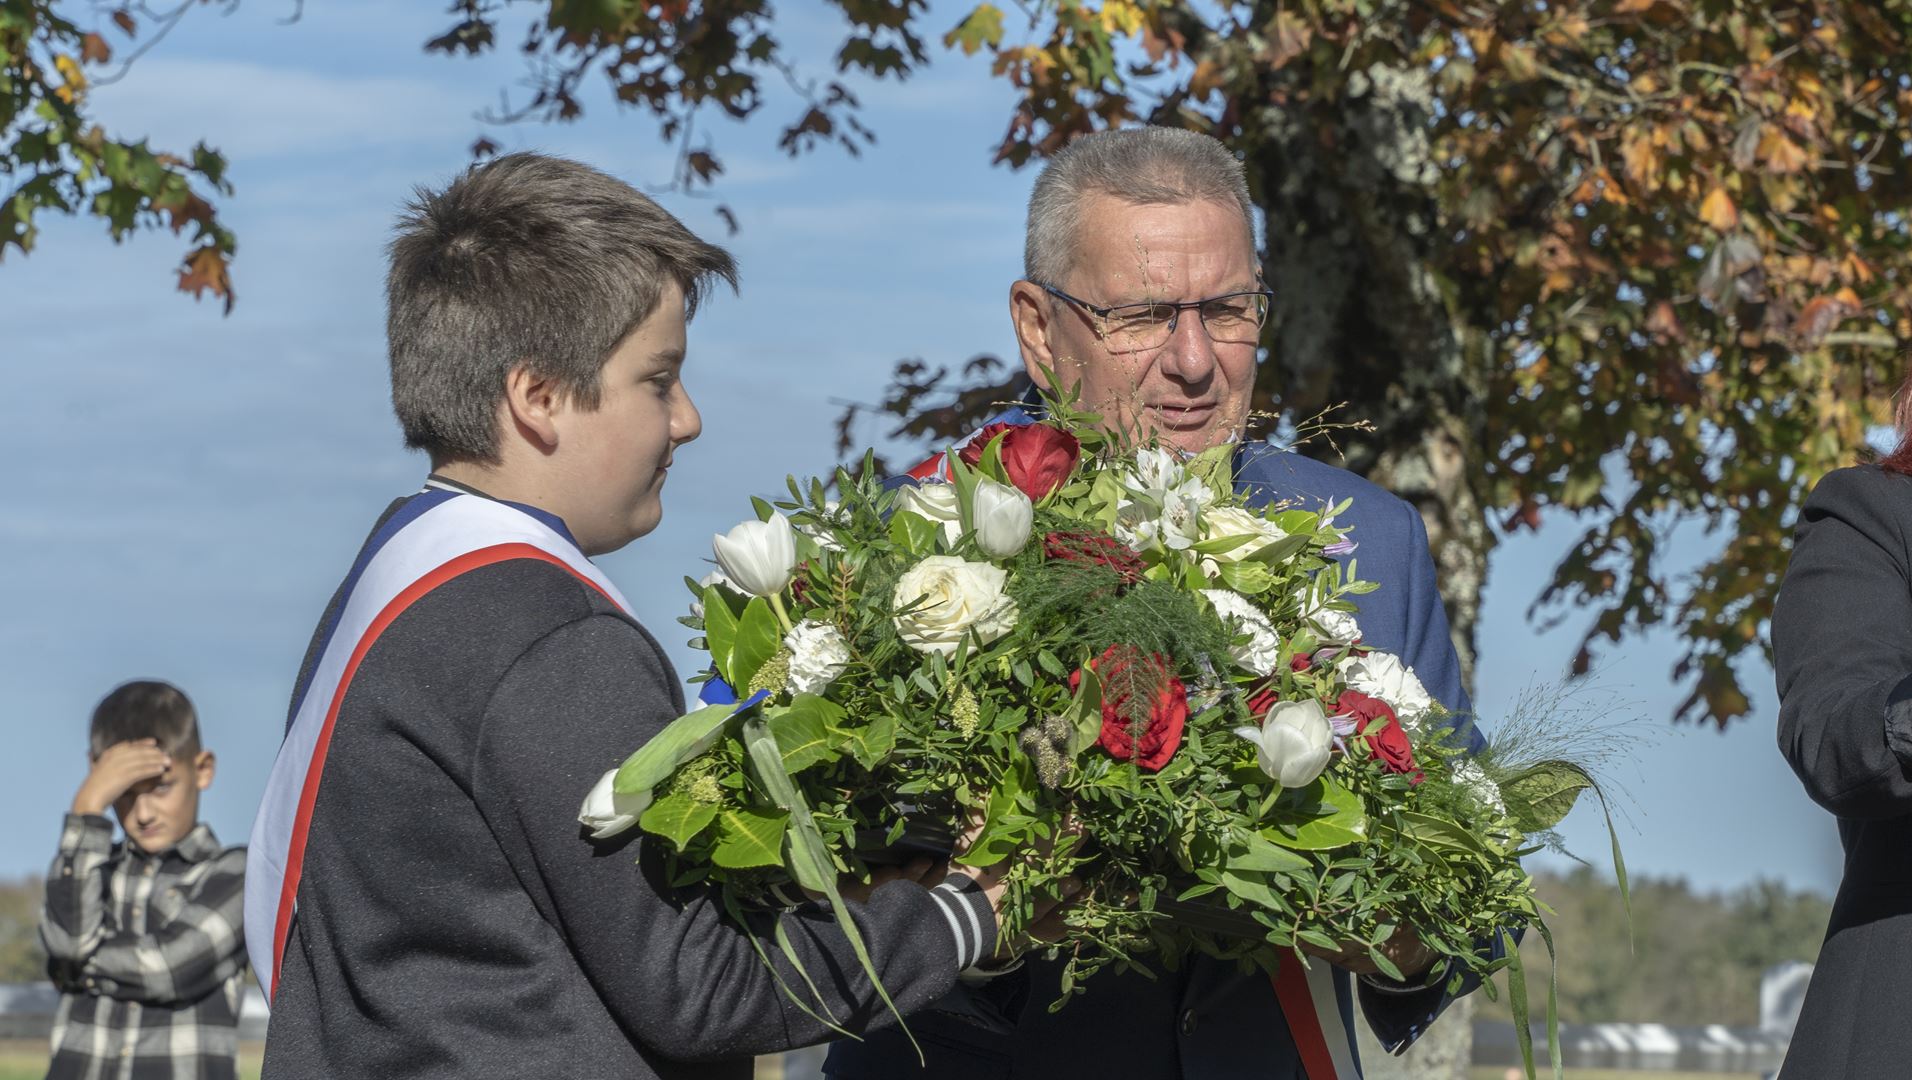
(1102, 314)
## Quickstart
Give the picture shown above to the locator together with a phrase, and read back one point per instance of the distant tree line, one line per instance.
(1696, 958)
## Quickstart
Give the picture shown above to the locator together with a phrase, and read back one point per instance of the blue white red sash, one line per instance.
(434, 537)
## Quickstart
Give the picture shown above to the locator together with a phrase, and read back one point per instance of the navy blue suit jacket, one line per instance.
(1208, 1021)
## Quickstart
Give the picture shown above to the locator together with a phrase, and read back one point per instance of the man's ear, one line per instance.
(1029, 313)
(203, 767)
(532, 404)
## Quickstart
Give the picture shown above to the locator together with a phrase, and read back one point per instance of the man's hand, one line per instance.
(1051, 912)
(117, 770)
(1405, 949)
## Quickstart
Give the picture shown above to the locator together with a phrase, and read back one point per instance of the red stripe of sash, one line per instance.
(309, 795)
(1297, 1005)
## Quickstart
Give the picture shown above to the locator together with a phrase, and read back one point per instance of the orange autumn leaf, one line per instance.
(1718, 211)
(94, 50)
(1781, 154)
(205, 270)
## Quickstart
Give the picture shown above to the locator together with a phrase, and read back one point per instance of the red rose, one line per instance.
(1036, 457)
(1126, 672)
(1263, 699)
(1095, 548)
(1375, 721)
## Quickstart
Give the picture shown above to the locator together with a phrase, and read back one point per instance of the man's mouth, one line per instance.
(1184, 417)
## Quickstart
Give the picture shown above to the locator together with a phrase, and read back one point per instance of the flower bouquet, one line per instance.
(1129, 674)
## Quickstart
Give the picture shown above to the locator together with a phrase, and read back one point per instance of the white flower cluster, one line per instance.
(1161, 505)
(817, 656)
(1477, 783)
(1262, 651)
(1382, 675)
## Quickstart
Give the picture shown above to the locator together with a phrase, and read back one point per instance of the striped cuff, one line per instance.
(970, 918)
(90, 834)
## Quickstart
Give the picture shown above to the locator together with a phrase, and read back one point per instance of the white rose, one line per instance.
(817, 656)
(1382, 675)
(1001, 516)
(1262, 651)
(1478, 784)
(1223, 521)
(606, 813)
(947, 597)
(1293, 742)
(936, 502)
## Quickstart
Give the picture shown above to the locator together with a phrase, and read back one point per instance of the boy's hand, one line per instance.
(118, 769)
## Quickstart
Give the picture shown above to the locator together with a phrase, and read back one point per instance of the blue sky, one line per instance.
(188, 488)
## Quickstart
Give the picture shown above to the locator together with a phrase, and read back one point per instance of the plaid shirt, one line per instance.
(149, 954)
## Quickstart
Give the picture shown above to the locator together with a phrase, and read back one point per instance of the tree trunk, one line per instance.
(1362, 321)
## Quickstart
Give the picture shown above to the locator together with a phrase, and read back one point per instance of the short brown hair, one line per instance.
(527, 259)
(146, 709)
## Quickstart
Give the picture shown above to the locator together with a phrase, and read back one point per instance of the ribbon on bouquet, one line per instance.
(435, 536)
(1319, 1009)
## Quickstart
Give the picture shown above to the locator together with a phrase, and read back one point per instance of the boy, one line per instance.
(144, 938)
(422, 900)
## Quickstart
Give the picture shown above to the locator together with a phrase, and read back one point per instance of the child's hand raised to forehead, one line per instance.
(116, 770)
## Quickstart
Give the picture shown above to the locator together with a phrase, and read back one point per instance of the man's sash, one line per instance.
(1316, 1002)
(435, 536)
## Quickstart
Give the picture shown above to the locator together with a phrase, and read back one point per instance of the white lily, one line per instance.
(606, 813)
(1001, 517)
(1292, 743)
(759, 557)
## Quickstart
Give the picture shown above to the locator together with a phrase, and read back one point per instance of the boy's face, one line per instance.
(158, 813)
(619, 453)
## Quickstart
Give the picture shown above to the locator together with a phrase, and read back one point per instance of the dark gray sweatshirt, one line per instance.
(454, 921)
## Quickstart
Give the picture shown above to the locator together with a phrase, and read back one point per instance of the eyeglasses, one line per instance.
(1230, 319)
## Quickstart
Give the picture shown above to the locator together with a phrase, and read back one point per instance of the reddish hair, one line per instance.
(1900, 459)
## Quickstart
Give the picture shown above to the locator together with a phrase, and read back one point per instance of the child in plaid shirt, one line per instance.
(144, 938)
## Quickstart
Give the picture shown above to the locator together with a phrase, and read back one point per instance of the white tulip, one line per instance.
(606, 813)
(1293, 742)
(935, 501)
(948, 597)
(759, 557)
(1001, 517)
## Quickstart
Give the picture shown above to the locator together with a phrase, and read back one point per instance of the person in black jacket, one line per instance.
(1842, 648)
(423, 900)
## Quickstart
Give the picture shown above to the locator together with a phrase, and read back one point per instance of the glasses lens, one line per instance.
(1138, 327)
(1235, 318)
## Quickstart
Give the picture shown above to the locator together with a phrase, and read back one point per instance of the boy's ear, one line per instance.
(532, 403)
(203, 767)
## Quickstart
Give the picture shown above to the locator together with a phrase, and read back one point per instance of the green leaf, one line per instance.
(1085, 712)
(749, 837)
(678, 818)
(1248, 577)
(720, 628)
(1254, 889)
(1540, 796)
(803, 731)
(758, 639)
(681, 740)
(809, 860)
(1322, 816)
(982, 28)
(1282, 550)
(1000, 837)
(914, 533)
(1215, 467)
(870, 743)
(1256, 854)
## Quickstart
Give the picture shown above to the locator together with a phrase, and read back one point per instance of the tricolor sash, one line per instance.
(435, 536)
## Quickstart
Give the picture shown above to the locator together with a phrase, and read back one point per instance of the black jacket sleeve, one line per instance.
(680, 976)
(1842, 646)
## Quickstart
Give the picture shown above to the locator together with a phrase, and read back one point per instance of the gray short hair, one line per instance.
(526, 259)
(1144, 165)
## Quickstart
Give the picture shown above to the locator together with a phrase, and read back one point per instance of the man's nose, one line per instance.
(1189, 354)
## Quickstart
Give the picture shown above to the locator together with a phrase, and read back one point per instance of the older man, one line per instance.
(1142, 290)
